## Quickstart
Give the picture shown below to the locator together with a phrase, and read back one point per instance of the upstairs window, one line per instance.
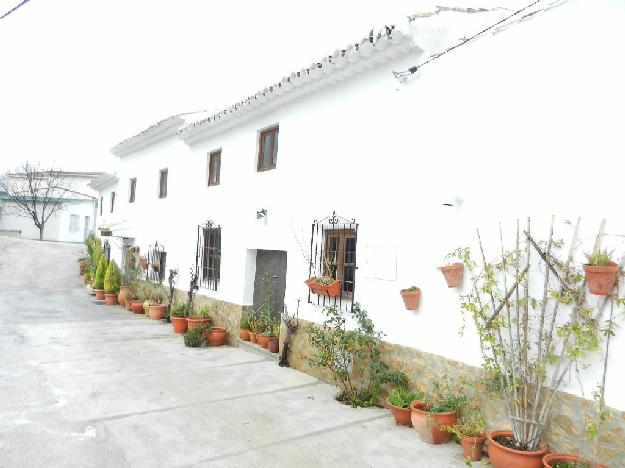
(74, 223)
(268, 149)
(162, 184)
(214, 167)
(133, 187)
(112, 201)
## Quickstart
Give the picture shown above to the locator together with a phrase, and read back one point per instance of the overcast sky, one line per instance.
(78, 76)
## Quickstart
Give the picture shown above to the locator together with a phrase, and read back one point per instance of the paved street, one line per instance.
(88, 385)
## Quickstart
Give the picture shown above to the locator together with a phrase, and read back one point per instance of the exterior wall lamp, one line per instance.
(261, 214)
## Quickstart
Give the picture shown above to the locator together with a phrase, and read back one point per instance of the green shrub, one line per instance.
(599, 258)
(245, 324)
(112, 278)
(401, 397)
(98, 281)
(445, 397)
(180, 309)
(194, 338)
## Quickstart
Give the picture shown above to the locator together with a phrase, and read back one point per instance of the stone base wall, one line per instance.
(565, 430)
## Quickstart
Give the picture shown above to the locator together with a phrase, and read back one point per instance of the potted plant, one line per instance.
(470, 431)
(215, 336)
(436, 411)
(194, 337)
(601, 273)
(112, 279)
(411, 297)
(244, 329)
(98, 282)
(274, 337)
(138, 290)
(200, 317)
(81, 266)
(398, 402)
(563, 460)
(178, 317)
(130, 273)
(156, 265)
(253, 323)
(156, 308)
(324, 286)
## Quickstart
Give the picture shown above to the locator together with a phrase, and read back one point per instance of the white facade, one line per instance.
(518, 123)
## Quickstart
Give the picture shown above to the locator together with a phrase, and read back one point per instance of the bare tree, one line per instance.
(36, 193)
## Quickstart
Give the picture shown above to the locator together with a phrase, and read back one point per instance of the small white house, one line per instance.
(342, 163)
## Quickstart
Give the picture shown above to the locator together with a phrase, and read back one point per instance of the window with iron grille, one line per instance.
(268, 149)
(333, 255)
(157, 258)
(208, 255)
(133, 187)
(162, 183)
(74, 223)
(112, 201)
(214, 167)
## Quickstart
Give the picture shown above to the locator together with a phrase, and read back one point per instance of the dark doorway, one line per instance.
(273, 263)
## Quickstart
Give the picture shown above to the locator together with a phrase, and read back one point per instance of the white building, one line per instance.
(73, 223)
(522, 121)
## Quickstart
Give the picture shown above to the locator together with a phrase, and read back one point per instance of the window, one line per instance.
(214, 167)
(211, 257)
(162, 184)
(340, 257)
(74, 223)
(101, 205)
(133, 187)
(268, 149)
(112, 201)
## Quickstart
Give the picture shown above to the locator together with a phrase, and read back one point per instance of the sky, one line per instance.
(79, 76)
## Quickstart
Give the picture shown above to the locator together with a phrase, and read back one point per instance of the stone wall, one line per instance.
(565, 430)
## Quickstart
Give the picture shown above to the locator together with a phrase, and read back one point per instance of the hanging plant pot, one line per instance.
(402, 415)
(137, 307)
(215, 336)
(550, 460)
(244, 334)
(253, 337)
(157, 311)
(99, 294)
(263, 340)
(601, 279)
(505, 457)
(411, 298)
(472, 446)
(428, 425)
(272, 345)
(111, 299)
(333, 289)
(453, 274)
(193, 322)
(179, 324)
(121, 297)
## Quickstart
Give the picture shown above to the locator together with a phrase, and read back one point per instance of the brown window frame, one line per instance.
(214, 155)
(338, 263)
(112, 201)
(162, 193)
(268, 132)
(211, 258)
(132, 189)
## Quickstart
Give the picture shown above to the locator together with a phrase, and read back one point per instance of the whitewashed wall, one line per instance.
(522, 123)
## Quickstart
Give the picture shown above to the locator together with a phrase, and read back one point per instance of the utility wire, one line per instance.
(412, 70)
(14, 8)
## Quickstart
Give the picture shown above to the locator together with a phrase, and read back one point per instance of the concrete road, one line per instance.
(89, 385)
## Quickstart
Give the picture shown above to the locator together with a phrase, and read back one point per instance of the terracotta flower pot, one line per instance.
(504, 457)
(253, 337)
(559, 457)
(331, 290)
(411, 298)
(137, 307)
(272, 345)
(453, 274)
(99, 294)
(193, 322)
(428, 425)
(401, 415)
(472, 446)
(263, 340)
(121, 297)
(215, 336)
(156, 311)
(129, 301)
(111, 299)
(601, 279)
(179, 323)
(244, 334)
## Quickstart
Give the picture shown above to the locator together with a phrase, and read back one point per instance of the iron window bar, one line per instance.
(156, 256)
(208, 255)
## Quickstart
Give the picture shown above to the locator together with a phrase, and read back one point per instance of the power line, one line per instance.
(412, 70)
(14, 8)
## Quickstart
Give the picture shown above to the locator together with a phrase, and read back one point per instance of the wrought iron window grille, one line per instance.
(157, 258)
(208, 255)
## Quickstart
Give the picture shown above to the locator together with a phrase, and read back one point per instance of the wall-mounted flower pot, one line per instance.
(193, 322)
(263, 340)
(331, 290)
(157, 311)
(99, 294)
(411, 298)
(472, 446)
(179, 324)
(244, 334)
(402, 415)
(215, 336)
(601, 279)
(111, 299)
(253, 337)
(505, 457)
(121, 297)
(550, 459)
(428, 425)
(453, 274)
(272, 345)
(137, 307)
